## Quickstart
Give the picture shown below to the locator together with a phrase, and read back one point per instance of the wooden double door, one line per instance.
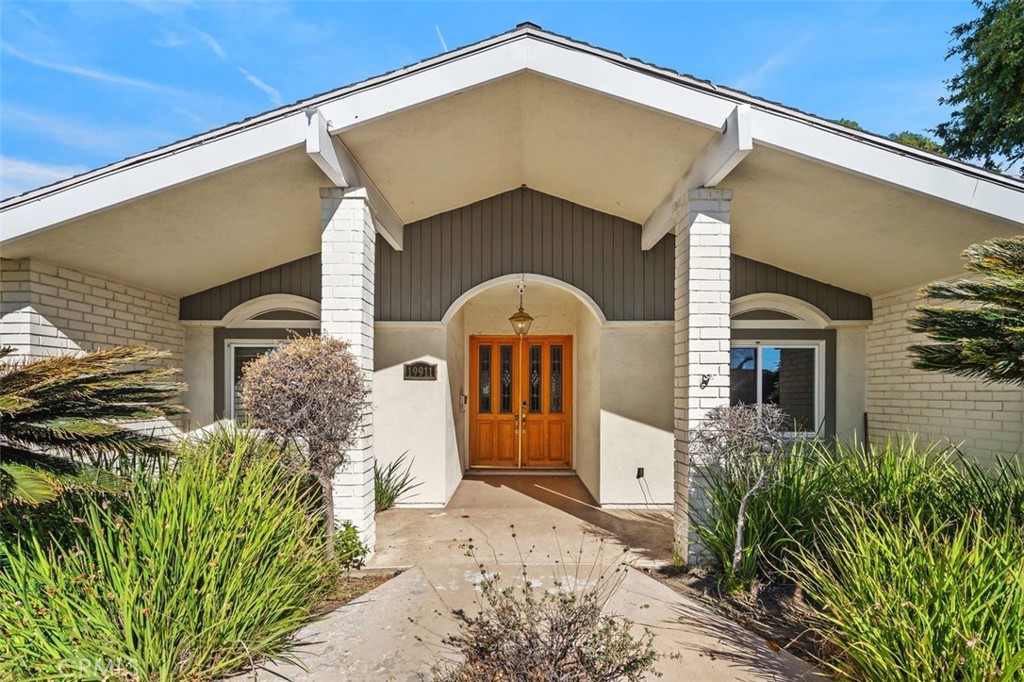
(520, 401)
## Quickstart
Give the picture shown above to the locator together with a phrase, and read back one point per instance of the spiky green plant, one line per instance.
(60, 416)
(391, 482)
(191, 576)
(906, 600)
(983, 336)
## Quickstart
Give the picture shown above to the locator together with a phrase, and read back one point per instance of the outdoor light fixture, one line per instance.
(521, 320)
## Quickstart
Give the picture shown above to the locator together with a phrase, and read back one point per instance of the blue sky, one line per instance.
(83, 84)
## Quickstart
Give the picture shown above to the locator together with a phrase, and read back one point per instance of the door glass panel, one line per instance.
(743, 376)
(485, 379)
(556, 378)
(788, 379)
(535, 378)
(242, 356)
(505, 396)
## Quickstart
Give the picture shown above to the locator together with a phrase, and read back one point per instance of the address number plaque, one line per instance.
(420, 371)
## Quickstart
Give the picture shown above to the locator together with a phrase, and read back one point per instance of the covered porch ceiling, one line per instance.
(590, 148)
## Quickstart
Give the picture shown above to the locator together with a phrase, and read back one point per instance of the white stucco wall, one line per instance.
(985, 419)
(851, 382)
(636, 414)
(198, 374)
(587, 455)
(457, 433)
(413, 416)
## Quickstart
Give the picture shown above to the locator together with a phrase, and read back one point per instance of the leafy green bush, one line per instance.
(905, 602)
(392, 482)
(349, 548)
(192, 576)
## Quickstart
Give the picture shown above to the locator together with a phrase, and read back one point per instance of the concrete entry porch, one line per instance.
(554, 519)
(551, 514)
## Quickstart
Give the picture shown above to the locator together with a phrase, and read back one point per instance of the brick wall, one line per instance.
(348, 242)
(987, 418)
(46, 309)
(702, 333)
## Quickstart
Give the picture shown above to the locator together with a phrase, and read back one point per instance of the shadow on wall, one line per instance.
(647, 533)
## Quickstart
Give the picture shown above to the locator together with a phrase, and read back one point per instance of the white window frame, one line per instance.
(818, 346)
(229, 366)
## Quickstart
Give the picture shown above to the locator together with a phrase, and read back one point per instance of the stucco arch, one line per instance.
(244, 312)
(807, 316)
(580, 295)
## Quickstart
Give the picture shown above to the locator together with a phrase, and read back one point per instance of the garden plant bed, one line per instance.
(775, 611)
(352, 586)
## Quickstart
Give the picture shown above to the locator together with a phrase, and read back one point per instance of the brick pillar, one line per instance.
(346, 312)
(701, 332)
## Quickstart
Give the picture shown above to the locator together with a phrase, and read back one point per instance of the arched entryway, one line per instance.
(529, 402)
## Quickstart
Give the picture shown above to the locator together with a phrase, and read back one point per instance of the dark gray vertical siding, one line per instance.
(753, 277)
(299, 277)
(524, 231)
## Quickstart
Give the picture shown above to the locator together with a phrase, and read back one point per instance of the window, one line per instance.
(785, 374)
(239, 354)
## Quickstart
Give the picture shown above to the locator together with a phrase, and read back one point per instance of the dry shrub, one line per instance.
(311, 392)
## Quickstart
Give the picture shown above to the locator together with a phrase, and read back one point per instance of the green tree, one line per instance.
(61, 417)
(917, 140)
(982, 337)
(987, 95)
(849, 123)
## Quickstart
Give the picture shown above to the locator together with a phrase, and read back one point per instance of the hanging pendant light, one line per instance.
(521, 320)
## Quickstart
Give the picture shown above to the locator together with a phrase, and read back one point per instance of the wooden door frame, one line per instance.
(569, 388)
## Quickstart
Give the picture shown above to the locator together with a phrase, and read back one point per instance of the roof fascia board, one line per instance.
(527, 53)
(720, 156)
(824, 146)
(109, 190)
(342, 169)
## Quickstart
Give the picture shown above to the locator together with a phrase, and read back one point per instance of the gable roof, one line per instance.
(902, 182)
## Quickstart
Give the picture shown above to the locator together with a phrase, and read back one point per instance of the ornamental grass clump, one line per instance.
(191, 576)
(905, 600)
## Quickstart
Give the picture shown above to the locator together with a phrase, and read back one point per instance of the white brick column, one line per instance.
(346, 312)
(701, 332)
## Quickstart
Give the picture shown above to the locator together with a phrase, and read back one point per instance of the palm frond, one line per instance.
(982, 337)
(60, 408)
(33, 478)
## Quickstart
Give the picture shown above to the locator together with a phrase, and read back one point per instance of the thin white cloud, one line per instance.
(104, 140)
(91, 74)
(171, 40)
(212, 43)
(18, 176)
(758, 77)
(193, 117)
(270, 91)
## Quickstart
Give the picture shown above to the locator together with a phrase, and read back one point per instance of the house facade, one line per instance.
(675, 245)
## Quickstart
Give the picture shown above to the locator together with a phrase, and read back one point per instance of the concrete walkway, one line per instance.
(551, 525)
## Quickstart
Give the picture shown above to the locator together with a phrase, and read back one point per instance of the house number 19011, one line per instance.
(420, 371)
